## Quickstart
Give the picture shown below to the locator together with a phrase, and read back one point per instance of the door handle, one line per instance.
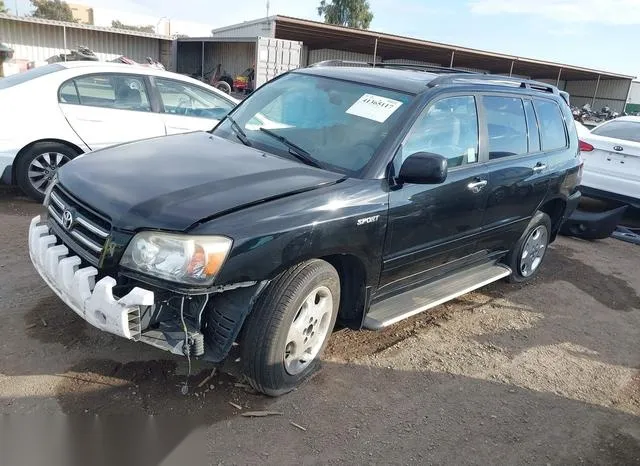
(476, 186)
(539, 167)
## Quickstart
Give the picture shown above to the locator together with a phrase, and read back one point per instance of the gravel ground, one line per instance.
(544, 373)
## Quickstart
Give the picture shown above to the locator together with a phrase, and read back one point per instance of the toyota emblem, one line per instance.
(67, 219)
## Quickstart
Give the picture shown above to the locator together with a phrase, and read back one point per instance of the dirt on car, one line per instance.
(542, 373)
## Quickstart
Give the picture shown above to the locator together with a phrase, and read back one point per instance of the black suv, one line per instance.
(362, 194)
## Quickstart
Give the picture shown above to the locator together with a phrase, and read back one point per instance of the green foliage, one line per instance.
(352, 13)
(2, 7)
(120, 25)
(52, 9)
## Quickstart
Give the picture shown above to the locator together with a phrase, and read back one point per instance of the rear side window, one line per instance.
(532, 127)
(552, 131)
(626, 130)
(506, 125)
(119, 92)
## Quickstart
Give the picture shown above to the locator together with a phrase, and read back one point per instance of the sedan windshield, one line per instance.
(334, 124)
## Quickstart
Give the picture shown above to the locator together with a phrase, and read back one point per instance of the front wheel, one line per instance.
(37, 166)
(289, 328)
(527, 255)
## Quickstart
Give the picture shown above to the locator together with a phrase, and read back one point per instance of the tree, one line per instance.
(121, 25)
(352, 13)
(52, 9)
(2, 7)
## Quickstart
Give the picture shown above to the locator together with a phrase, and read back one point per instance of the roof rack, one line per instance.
(495, 79)
(431, 68)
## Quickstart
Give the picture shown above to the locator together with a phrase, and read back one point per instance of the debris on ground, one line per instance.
(261, 413)
(237, 406)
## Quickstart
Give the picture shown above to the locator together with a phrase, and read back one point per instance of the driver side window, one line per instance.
(448, 127)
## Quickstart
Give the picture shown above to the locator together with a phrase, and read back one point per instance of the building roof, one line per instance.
(317, 35)
(90, 27)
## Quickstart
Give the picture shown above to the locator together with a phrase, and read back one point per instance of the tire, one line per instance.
(535, 238)
(310, 290)
(223, 86)
(34, 160)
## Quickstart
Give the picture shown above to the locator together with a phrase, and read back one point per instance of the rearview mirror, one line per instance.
(424, 168)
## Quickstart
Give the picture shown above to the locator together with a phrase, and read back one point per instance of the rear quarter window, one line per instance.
(553, 134)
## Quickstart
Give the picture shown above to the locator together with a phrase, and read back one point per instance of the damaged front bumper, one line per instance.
(91, 300)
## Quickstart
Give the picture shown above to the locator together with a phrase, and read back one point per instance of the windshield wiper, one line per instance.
(239, 132)
(294, 149)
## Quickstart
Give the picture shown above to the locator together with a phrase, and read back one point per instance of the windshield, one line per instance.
(335, 124)
(621, 129)
(25, 76)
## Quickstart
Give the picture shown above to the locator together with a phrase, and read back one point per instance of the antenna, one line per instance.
(267, 8)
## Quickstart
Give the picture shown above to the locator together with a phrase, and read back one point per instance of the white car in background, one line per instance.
(51, 114)
(611, 153)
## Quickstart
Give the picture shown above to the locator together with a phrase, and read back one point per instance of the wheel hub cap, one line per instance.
(43, 168)
(308, 330)
(533, 251)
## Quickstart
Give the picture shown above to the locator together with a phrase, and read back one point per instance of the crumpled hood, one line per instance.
(173, 182)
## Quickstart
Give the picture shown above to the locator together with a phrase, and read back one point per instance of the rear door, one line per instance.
(614, 164)
(187, 107)
(107, 108)
(522, 135)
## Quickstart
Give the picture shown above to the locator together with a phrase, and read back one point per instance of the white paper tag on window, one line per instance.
(374, 107)
(471, 155)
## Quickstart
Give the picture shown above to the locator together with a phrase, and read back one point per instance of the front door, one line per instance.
(433, 225)
(106, 109)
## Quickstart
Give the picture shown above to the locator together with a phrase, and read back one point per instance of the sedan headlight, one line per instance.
(193, 260)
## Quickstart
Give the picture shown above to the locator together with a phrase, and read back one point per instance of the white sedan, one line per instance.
(611, 153)
(51, 114)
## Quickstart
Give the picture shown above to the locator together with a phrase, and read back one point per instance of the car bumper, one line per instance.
(76, 286)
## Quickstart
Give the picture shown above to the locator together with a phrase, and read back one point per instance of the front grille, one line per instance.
(79, 227)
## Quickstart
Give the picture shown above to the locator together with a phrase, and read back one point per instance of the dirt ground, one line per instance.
(543, 373)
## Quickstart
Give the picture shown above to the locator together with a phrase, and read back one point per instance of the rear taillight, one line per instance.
(585, 146)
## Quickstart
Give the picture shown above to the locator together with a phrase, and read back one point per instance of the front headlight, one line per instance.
(193, 260)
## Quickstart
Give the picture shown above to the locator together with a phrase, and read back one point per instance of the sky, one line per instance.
(601, 34)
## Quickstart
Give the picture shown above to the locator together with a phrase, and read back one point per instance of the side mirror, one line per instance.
(424, 168)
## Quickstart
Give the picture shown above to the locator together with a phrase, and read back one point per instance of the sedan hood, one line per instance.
(174, 182)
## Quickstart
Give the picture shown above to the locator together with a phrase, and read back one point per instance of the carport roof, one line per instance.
(318, 35)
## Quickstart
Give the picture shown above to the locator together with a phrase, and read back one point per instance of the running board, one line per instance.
(418, 300)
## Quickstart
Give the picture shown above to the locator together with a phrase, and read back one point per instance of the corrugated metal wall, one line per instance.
(34, 41)
(318, 55)
(611, 93)
(274, 57)
(265, 28)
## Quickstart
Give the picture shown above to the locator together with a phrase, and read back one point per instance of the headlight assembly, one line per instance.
(187, 259)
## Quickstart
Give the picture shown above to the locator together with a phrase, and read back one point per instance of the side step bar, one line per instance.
(428, 296)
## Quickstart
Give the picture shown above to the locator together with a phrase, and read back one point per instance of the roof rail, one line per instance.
(433, 68)
(495, 79)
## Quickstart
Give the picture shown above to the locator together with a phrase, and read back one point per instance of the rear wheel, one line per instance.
(37, 166)
(290, 326)
(529, 252)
